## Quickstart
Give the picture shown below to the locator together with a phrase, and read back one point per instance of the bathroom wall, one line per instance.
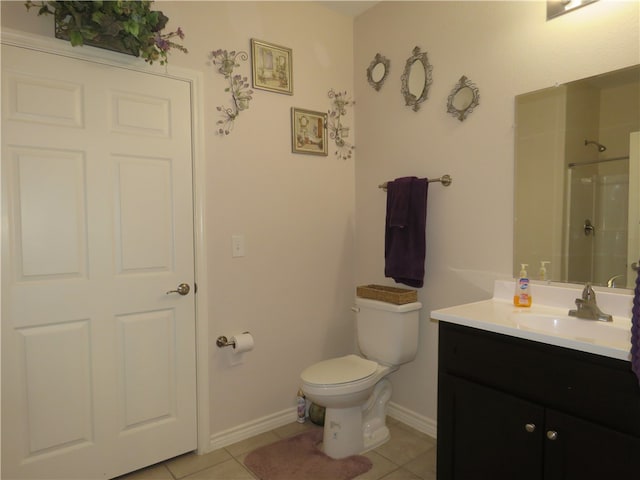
(618, 118)
(311, 237)
(608, 113)
(539, 157)
(294, 288)
(506, 49)
(583, 115)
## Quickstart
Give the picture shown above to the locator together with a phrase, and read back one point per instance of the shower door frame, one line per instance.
(633, 212)
(633, 236)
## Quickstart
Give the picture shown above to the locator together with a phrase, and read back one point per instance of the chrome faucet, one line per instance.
(588, 308)
(611, 283)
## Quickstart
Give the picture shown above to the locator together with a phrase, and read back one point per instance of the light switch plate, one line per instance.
(237, 245)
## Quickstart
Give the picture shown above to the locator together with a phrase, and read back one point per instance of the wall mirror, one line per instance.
(378, 71)
(416, 79)
(464, 97)
(577, 180)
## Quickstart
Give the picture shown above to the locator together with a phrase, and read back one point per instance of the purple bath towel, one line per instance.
(404, 241)
(635, 330)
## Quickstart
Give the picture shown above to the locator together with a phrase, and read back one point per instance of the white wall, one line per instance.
(310, 239)
(505, 48)
(294, 288)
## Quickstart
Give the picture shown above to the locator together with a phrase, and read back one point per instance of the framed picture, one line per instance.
(308, 132)
(272, 67)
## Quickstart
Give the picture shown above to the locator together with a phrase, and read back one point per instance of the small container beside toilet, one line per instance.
(354, 389)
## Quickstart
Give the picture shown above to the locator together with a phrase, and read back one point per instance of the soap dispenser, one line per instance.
(522, 295)
(542, 273)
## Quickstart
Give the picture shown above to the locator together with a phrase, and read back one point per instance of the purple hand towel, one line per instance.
(404, 241)
(635, 330)
(398, 201)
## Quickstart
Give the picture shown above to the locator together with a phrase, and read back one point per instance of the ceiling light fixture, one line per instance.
(555, 8)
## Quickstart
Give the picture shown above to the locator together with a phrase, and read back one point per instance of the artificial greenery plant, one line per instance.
(124, 26)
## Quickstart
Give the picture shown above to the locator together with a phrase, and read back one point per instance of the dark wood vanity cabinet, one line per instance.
(514, 409)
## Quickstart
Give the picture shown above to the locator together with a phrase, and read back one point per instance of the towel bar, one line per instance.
(444, 180)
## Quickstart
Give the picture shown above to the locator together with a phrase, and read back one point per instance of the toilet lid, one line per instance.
(339, 370)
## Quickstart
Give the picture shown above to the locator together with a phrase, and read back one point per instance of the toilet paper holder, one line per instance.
(223, 341)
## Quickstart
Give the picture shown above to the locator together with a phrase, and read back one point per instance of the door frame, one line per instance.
(195, 79)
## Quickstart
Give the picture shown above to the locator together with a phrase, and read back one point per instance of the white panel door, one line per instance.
(98, 360)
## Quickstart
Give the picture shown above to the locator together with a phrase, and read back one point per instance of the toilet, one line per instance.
(354, 389)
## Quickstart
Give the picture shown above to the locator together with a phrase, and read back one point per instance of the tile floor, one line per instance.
(409, 455)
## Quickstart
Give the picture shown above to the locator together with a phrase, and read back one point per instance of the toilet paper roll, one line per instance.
(242, 343)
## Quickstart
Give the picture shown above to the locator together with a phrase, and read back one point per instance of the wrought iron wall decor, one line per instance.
(464, 97)
(378, 71)
(337, 131)
(416, 79)
(238, 86)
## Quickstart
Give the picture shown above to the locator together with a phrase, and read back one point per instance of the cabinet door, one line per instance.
(583, 450)
(486, 434)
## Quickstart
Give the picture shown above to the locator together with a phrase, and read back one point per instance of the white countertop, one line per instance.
(499, 315)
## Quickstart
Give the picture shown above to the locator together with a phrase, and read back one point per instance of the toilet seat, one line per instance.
(341, 370)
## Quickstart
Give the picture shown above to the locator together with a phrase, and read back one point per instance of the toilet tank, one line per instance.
(387, 333)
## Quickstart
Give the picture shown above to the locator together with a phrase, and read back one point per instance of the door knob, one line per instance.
(552, 435)
(530, 427)
(183, 289)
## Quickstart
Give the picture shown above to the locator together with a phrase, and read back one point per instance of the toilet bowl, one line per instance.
(354, 389)
(354, 392)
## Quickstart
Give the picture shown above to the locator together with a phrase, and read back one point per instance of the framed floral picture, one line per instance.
(272, 67)
(308, 132)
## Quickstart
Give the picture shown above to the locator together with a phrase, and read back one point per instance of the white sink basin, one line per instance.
(547, 320)
(591, 331)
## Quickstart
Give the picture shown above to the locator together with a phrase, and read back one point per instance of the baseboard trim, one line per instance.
(247, 430)
(250, 429)
(423, 424)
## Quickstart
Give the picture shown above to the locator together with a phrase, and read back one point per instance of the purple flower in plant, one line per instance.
(180, 33)
(162, 44)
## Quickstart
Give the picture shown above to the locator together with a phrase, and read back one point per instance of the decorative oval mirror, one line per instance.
(416, 79)
(464, 97)
(378, 71)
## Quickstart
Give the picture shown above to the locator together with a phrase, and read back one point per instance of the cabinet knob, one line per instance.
(552, 435)
(530, 427)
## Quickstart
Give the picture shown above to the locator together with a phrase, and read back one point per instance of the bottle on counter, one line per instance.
(302, 407)
(522, 295)
(542, 273)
